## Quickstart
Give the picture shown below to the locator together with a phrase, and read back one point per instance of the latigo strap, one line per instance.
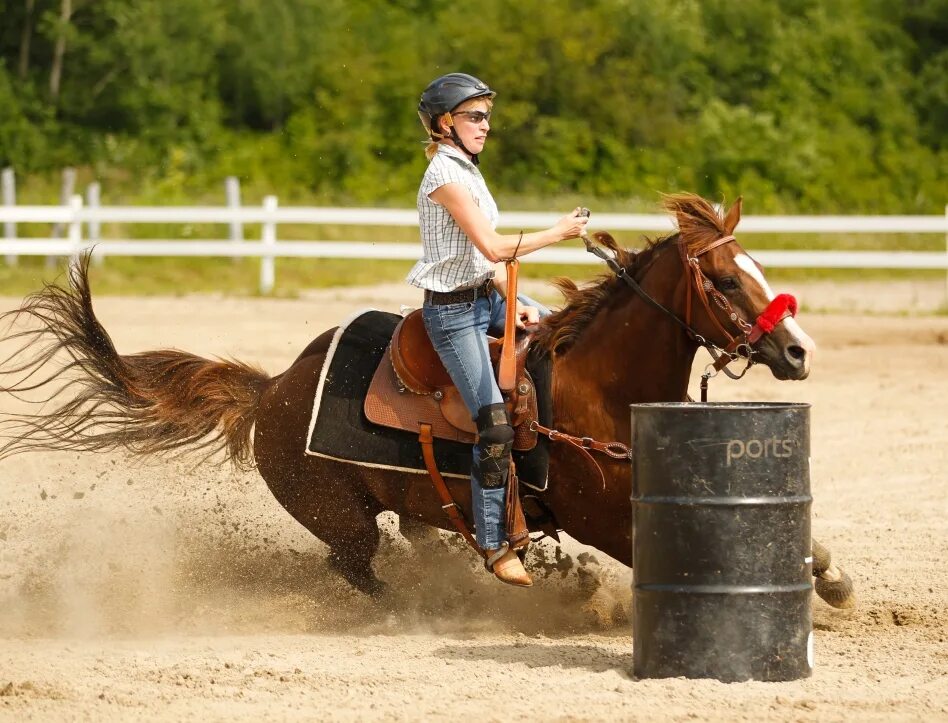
(507, 371)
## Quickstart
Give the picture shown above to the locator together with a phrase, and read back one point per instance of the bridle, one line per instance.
(740, 344)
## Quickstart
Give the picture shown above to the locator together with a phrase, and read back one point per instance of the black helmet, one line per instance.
(446, 93)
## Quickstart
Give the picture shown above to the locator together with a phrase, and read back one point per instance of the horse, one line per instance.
(629, 336)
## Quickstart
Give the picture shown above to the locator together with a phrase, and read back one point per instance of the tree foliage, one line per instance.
(800, 104)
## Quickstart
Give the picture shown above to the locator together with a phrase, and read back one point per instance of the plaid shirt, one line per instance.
(450, 260)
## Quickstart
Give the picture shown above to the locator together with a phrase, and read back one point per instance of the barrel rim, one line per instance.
(714, 406)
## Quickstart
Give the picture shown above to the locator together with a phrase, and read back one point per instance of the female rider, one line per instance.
(458, 217)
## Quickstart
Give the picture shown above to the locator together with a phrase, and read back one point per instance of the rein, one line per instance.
(616, 450)
(738, 346)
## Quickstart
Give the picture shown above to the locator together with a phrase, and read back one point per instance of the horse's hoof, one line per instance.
(835, 587)
(822, 558)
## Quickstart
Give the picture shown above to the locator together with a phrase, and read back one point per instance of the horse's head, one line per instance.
(699, 279)
(706, 283)
(728, 301)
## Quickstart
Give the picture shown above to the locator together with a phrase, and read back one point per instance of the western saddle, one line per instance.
(411, 390)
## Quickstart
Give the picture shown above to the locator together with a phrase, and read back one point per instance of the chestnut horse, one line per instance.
(610, 347)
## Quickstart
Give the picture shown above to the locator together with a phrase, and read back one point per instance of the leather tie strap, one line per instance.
(507, 371)
(447, 501)
(616, 450)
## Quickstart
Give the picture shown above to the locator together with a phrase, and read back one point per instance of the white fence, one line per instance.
(75, 216)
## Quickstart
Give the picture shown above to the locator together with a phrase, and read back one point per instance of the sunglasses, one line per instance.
(475, 116)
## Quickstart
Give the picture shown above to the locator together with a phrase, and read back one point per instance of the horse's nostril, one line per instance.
(796, 352)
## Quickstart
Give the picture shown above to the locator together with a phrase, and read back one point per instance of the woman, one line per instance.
(462, 300)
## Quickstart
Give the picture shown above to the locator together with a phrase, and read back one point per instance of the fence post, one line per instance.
(232, 191)
(8, 183)
(268, 237)
(65, 196)
(93, 228)
(74, 232)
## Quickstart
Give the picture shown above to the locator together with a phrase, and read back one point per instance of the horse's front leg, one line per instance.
(832, 583)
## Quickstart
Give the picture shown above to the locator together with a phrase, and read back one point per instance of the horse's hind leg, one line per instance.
(343, 516)
(348, 526)
(331, 502)
(329, 498)
(352, 556)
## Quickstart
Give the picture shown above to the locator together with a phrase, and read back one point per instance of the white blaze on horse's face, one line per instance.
(749, 267)
(797, 335)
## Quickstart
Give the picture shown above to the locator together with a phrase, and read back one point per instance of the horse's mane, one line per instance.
(699, 225)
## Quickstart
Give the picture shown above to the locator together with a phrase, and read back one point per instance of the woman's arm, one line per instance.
(497, 247)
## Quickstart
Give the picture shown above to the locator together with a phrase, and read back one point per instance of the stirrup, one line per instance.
(489, 562)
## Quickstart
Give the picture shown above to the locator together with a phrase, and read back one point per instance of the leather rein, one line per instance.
(740, 345)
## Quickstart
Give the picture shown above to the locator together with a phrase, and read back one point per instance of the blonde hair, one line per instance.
(435, 136)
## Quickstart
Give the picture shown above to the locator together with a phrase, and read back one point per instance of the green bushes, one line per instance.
(800, 105)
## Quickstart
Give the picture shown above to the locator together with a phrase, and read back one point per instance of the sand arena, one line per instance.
(149, 589)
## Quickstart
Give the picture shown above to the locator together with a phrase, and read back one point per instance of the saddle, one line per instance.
(411, 390)
(411, 386)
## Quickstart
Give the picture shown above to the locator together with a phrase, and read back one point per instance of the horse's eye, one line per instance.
(728, 283)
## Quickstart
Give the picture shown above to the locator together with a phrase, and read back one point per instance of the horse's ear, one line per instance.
(605, 239)
(733, 216)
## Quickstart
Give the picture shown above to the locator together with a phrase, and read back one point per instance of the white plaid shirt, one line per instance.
(450, 260)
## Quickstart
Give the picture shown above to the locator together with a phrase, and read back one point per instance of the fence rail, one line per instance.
(75, 216)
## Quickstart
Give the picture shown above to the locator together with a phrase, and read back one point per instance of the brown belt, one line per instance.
(458, 296)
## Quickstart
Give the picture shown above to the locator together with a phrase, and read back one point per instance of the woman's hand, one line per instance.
(527, 316)
(572, 225)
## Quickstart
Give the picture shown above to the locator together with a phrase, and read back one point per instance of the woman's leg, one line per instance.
(459, 335)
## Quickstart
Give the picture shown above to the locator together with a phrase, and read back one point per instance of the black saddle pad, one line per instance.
(339, 428)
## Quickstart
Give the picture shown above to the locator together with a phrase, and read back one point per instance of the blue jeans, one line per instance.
(458, 333)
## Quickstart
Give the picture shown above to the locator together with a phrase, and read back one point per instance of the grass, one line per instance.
(126, 276)
(141, 276)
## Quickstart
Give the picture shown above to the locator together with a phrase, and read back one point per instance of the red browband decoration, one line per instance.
(780, 308)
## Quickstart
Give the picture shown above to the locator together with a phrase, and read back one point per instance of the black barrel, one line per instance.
(721, 544)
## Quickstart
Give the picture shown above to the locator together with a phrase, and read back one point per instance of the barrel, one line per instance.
(721, 541)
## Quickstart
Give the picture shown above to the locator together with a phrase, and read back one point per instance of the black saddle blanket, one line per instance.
(339, 428)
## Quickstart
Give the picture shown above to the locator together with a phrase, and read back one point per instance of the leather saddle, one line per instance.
(411, 387)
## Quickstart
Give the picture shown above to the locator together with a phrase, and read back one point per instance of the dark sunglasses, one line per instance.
(475, 116)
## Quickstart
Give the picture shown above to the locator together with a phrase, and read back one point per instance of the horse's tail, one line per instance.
(93, 399)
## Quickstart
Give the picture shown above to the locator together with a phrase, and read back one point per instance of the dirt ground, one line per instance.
(152, 590)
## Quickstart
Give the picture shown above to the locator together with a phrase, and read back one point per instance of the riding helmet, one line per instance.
(446, 93)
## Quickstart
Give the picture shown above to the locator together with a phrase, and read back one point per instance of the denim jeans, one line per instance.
(458, 333)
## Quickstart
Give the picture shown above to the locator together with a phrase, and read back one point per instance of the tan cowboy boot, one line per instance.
(507, 567)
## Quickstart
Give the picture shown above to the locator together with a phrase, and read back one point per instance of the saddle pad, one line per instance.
(338, 426)
(340, 430)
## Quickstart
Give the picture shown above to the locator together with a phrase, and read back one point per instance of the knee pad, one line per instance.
(495, 443)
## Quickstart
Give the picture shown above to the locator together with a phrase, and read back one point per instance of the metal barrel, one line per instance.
(721, 542)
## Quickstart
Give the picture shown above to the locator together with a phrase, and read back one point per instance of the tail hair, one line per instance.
(91, 398)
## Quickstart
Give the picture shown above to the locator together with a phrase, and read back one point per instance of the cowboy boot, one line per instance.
(507, 567)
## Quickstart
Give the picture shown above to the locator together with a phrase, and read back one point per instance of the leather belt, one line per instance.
(458, 296)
